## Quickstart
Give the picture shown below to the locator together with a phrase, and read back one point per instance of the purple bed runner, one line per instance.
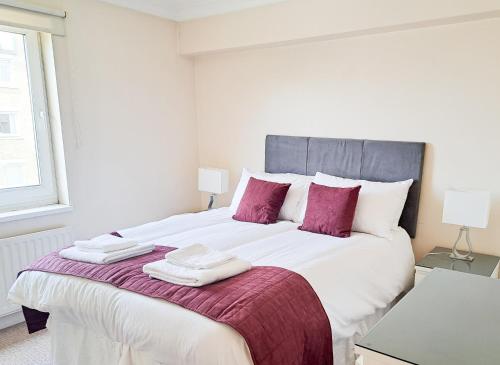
(275, 310)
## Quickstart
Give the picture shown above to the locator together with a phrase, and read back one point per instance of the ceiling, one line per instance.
(180, 10)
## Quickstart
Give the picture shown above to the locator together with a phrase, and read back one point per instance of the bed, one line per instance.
(357, 278)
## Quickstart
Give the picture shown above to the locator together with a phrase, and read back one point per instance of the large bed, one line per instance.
(357, 279)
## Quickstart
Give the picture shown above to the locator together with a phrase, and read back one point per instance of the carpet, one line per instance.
(17, 347)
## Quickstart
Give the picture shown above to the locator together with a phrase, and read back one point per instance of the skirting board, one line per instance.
(11, 319)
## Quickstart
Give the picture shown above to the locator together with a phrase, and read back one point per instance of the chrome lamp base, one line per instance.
(454, 252)
(211, 202)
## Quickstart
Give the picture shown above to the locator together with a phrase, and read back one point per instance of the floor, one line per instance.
(19, 348)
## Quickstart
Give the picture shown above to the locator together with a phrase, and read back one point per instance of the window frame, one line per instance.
(46, 193)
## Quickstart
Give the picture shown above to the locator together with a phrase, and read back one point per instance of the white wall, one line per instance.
(129, 128)
(437, 85)
(299, 21)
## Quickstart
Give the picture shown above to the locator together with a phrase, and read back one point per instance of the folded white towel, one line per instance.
(105, 243)
(179, 275)
(198, 256)
(73, 253)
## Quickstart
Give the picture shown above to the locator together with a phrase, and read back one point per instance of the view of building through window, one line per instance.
(18, 152)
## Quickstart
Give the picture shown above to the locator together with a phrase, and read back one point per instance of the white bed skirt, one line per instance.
(72, 344)
(75, 345)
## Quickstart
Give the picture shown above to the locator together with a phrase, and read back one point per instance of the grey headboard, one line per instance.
(352, 158)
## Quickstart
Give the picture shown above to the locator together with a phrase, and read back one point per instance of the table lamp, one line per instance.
(467, 209)
(213, 181)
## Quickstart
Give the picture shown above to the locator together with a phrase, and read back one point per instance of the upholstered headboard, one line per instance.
(385, 161)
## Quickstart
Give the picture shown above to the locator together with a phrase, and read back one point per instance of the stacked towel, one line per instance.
(105, 243)
(198, 257)
(196, 265)
(73, 253)
(105, 249)
(194, 277)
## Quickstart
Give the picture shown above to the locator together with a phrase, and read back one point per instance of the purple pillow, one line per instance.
(261, 202)
(330, 210)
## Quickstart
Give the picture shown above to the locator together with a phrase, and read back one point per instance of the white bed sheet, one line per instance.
(354, 278)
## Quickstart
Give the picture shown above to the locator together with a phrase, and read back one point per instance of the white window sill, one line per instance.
(16, 215)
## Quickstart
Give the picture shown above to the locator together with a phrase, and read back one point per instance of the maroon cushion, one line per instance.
(261, 202)
(330, 210)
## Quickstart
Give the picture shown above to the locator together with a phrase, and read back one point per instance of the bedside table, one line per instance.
(450, 318)
(484, 265)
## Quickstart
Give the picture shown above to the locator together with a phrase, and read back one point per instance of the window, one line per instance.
(5, 71)
(7, 124)
(12, 172)
(7, 43)
(27, 177)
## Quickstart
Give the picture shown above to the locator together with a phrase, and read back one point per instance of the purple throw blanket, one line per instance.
(275, 310)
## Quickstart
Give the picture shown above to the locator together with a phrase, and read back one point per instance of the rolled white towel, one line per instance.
(105, 243)
(179, 275)
(198, 256)
(73, 253)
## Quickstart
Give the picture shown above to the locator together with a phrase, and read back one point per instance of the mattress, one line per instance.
(355, 278)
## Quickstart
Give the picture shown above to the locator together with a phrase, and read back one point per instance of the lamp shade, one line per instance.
(467, 208)
(213, 181)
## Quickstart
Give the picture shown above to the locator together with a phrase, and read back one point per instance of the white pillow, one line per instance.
(379, 205)
(295, 198)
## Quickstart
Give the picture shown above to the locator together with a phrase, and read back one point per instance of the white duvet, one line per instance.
(95, 323)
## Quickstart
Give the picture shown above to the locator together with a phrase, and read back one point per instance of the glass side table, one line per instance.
(484, 265)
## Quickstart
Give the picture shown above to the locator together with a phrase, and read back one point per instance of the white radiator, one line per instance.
(16, 253)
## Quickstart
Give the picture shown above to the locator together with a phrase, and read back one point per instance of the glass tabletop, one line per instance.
(449, 318)
(439, 258)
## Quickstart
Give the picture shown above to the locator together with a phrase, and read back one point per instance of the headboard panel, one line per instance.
(287, 154)
(332, 156)
(352, 158)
